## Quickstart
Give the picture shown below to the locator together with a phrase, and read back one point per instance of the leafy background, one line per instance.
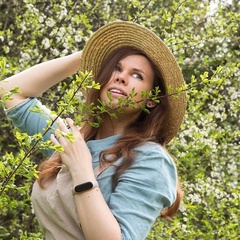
(204, 36)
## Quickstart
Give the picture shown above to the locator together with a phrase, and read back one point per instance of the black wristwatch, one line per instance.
(84, 186)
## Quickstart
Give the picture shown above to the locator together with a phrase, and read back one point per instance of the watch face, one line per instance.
(83, 187)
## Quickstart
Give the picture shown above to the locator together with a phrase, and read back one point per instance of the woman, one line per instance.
(110, 182)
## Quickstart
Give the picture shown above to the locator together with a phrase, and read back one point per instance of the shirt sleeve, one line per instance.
(32, 122)
(143, 191)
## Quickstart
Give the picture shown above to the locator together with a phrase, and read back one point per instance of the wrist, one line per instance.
(74, 62)
(84, 187)
(76, 57)
(82, 175)
(78, 54)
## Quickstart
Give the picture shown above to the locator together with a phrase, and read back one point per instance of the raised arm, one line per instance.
(39, 78)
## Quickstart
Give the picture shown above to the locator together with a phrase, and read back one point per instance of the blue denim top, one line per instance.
(142, 191)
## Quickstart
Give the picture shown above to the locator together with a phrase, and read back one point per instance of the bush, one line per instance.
(205, 40)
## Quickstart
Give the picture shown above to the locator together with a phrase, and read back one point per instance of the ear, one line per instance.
(150, 104)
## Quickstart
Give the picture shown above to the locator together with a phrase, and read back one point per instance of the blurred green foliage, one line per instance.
(204, 37)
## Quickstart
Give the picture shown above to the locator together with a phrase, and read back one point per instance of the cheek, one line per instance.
(103, 93)
(139, 89)
(103, 90)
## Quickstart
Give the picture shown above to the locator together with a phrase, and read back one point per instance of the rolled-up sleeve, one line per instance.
(32, 122)
(143, 191)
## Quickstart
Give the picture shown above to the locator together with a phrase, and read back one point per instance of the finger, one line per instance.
(54, 139)
(70, 122)
(62, 130)
(74, 128)
(62, 126)
(59, 135)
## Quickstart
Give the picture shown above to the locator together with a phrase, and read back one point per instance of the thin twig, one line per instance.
(87, 120)
(136, 17)
(32, 149)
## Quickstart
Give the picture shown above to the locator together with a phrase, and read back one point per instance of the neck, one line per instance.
(111, 127)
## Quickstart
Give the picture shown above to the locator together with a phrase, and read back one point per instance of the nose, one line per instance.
(120, 78)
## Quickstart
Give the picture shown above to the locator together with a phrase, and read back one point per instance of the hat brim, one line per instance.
(121, 33)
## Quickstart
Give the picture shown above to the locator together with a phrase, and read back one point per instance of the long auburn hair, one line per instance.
(147, 127)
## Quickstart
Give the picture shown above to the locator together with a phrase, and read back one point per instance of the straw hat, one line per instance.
(120, 33)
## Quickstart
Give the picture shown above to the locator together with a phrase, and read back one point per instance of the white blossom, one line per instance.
(61, 32)
(77, 38)
(63, 13)
(50, 22)
(55, 52)
(23, 27)
(195, 198)
(25, 56)
(235, 95)
(46, 43)
(33, 9)
(41, 19)
(65, 45)
(65, 52)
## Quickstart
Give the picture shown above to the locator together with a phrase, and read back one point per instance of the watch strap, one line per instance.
(84, 187)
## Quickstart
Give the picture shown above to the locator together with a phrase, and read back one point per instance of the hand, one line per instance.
(76, 155)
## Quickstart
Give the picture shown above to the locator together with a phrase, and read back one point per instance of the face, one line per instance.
(133, 72)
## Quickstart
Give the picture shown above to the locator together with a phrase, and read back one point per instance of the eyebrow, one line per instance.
(139, 70)
(134, 69)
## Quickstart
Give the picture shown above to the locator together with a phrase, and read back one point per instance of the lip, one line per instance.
(117, 91)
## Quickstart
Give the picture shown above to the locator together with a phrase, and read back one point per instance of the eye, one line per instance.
(137, 75)
(117, 68)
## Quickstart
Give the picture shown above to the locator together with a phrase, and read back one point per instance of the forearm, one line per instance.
(95, 216)
(37, 79)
